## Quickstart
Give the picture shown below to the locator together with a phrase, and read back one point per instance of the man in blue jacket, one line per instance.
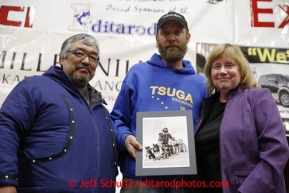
(55, 133)
(165, 82)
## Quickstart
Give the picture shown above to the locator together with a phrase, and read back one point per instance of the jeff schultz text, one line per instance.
(148, 183)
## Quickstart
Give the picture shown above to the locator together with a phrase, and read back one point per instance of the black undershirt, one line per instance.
(208, 147)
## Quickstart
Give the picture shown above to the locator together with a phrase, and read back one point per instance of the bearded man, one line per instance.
(55, 130)
(166, 82)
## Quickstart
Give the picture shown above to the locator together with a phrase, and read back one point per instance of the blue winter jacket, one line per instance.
(253, 145)
(51, 140)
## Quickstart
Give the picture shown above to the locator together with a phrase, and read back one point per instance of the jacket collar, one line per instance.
(56, 73)
(208, 104)
(232, 92)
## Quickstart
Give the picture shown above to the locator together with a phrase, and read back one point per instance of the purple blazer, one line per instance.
(253, 145)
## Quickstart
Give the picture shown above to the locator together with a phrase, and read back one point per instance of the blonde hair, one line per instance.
(234, 52)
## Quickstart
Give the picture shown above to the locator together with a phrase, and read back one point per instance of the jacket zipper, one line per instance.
(220, 138)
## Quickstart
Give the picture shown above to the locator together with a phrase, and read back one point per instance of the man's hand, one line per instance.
(132, 145)
(8, 189)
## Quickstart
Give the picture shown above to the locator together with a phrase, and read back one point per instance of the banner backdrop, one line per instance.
(32, 31)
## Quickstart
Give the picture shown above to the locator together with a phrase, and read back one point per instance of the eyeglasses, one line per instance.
(81, 54)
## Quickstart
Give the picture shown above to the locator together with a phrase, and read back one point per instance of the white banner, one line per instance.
(32, 31)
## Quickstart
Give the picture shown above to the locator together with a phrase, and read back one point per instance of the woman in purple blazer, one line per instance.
(240, 140)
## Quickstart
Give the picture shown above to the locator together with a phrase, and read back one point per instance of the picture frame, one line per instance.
(173, 133)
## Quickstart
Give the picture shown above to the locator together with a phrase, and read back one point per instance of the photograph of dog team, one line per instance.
(166, 147)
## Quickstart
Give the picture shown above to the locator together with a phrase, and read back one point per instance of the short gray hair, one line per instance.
(87, 40)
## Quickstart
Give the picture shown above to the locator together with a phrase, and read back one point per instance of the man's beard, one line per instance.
(80, 79)
(172, 56)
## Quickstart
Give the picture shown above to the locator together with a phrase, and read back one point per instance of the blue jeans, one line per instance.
(131, 185)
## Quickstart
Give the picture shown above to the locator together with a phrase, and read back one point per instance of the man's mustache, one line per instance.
(174, 45)
(83, 67)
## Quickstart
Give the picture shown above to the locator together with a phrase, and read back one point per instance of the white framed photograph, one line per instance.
(168, 143)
